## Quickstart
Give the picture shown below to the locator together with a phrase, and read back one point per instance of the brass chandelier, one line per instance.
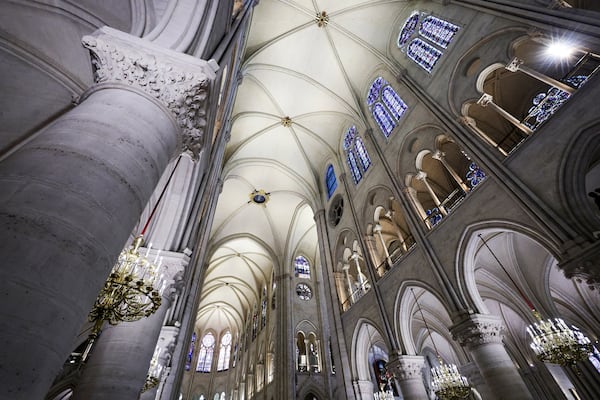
(154, 373)
(446, 380)
(134, 287)
(553, 341)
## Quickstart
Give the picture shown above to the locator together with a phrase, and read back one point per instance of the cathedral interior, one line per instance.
(299, 199)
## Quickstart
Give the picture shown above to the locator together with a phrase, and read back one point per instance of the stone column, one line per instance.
(482, 336)
(517, 64)
(71, 197)
(422, 176)
(441, 157)
(377, 230)
(487, 100)
(409, 373)
(118, 365)
(471, 124)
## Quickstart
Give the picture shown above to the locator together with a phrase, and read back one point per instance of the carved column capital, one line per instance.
(514, 64)
(179, 81)
(583, 265)
(173, 268)
(477, 330)
(409, 367)
(485, 99)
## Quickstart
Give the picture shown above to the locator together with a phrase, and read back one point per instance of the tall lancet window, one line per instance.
(330, 181)
(224, 352)
(357, 156)
(205, 355)
(424, 37)
(386, 106)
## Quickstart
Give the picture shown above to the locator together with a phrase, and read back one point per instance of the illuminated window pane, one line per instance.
(375, 89)
(302, 267)
(383, 119)
(190, 354)
(393, 102)
(356, 174)
(438, 31)
(205, 355)
(363, 156)
(408, 29)
(330, 181)
(349, 138)
(423, 54)
(224, 352)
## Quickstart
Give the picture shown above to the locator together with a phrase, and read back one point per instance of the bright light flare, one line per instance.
(560, 50)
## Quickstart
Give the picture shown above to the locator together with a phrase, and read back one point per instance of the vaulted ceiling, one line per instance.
(317, 76)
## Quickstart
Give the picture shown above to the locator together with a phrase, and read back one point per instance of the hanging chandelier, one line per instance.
(154, 373)
(133, 289)
(446, 380)
(553, 341)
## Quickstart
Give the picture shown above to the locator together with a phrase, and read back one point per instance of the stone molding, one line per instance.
(179, 81)
(584, 266)
(477, 330)
(409, 367)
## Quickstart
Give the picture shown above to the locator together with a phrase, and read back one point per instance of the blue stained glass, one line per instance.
(375, 89)
(423, 54)
(475, 175)
(330, 181)
(409, 27)
(383, 119)
(349, 137)
(356, 175)
(190, 354)
(434, 215)
(302, 267)
(363, 156)
(393, 102)
(438, 31)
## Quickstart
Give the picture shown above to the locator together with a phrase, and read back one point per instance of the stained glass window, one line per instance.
(363, 156)
(303, 291)
(349, 138)
(330, 181)
(393, 102)
(437, 30)
(224, 352)
(302, 267)
(375, 89)
(356, 174)
(383, 119)
(423, 54)
(190, 354)
(354, 149)
(205, 355)
(263, 310)
(475, 175)
(409, 27)
(254, 322)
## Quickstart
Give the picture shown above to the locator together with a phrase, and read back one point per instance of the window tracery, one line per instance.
(205, 355)
(355, 148)
(431, 31)
(224, 352)
(386, 106)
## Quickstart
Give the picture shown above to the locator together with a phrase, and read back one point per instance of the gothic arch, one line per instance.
(365, 336)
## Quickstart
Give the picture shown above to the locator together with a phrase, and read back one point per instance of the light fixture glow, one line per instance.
(560, 49)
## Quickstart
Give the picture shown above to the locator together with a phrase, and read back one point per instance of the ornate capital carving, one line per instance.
(485, 100)
(409, 367)
(179, 81)
(514, 64)
(477, 330)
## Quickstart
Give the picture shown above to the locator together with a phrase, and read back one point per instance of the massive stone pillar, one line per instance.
(409, 374)
(118, 365)
(482, 336)
(71, 196)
